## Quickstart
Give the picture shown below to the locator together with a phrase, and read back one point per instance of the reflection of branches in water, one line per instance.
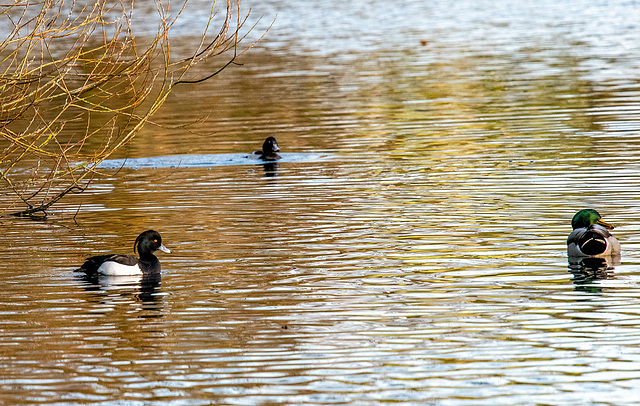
(64, 65)
(589, 270)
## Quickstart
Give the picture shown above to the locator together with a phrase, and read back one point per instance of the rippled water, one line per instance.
(423, 263)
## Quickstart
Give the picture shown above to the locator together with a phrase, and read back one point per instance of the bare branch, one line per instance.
(63, 62)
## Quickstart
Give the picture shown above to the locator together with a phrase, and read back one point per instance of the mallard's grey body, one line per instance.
(591, 236)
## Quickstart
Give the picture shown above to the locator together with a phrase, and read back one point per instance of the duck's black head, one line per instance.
(148, 242)
(269, 148)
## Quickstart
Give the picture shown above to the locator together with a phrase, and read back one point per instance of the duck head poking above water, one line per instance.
(590, 236)
(269, 150)
(120, 265)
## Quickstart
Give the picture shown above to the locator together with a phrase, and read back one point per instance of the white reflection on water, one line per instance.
(205, 161)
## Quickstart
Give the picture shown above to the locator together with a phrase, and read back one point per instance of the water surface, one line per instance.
(424, 263)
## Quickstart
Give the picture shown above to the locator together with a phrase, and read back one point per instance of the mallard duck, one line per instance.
(269, 150)
(118, 264)
(590, 236)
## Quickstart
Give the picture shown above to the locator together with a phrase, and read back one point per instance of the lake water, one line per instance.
(412, 253)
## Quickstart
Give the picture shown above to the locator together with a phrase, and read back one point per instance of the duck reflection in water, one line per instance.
(588, 270)
(270, 169)
(145, 289)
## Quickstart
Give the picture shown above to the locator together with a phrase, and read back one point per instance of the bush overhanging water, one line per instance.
(76, 85)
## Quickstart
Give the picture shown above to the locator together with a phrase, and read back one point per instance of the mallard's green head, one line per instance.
(588, 217)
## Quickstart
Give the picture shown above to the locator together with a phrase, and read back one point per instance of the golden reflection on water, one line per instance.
(424, 262)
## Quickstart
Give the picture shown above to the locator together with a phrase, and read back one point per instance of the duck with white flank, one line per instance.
(120, 265)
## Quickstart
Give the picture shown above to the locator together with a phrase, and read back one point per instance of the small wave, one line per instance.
(208, 160)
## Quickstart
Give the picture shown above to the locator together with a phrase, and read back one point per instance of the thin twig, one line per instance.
(102, 77)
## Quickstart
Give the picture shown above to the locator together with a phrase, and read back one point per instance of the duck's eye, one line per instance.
(155, 240)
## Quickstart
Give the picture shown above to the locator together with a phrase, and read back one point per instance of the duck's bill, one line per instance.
(605, 224)
(164, 249)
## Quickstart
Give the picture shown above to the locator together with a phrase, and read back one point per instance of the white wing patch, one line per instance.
(112, 268)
